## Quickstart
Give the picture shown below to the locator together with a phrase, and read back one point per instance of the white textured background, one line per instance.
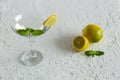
(60, 61)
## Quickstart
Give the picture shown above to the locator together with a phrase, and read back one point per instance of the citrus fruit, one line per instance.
(80, 43)
(50, 21)
(93, 32)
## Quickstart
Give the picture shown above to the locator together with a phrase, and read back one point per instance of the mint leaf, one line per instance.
(93, 53)
(23, 32)
(99, 53)
(90, 53)
(36, 32)
(28, 29)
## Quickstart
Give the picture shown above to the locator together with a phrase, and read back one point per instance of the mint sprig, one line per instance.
(29, 31)
(93, 53)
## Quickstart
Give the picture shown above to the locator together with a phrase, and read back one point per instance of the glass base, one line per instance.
(31, 58)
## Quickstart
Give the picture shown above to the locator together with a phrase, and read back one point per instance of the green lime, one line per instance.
(93, 32)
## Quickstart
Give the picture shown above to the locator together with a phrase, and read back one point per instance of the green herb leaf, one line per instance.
(28, 31)
(99, 53)
(36, 32)
(89, 53)
(23, 32)
(93, 53)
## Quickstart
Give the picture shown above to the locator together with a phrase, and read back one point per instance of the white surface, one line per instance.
(60, 61)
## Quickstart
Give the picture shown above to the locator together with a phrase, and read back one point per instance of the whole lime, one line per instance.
(93, 32)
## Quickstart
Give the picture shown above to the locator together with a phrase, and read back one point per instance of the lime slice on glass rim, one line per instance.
(50, 21)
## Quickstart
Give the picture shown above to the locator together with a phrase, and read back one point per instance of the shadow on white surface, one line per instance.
(64, 44)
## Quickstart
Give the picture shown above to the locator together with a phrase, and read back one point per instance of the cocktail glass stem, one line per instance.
(31, 57)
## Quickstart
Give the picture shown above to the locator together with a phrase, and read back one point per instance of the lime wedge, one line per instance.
(80, 43)
(50, 21)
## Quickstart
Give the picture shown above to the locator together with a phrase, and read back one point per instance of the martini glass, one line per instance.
(29, 25)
